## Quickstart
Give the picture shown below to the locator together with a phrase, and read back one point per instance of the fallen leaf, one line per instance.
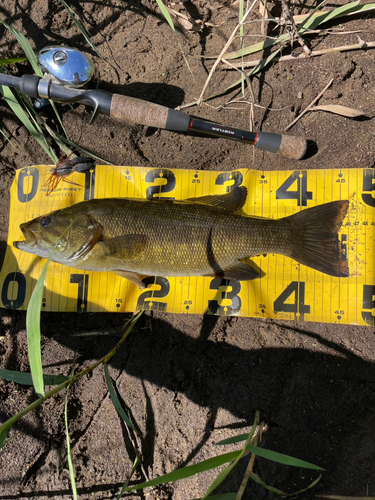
(339, 110)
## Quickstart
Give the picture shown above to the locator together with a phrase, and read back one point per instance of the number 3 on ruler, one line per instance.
(222, 285)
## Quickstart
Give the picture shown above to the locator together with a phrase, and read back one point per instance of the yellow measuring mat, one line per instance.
(286, 289)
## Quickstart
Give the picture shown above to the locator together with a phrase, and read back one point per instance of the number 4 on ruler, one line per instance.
(301, 195)
(298, 307)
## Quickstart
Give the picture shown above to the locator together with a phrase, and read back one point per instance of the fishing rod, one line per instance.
(67, 70)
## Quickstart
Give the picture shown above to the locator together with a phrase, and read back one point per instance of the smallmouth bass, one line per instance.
(197, 237)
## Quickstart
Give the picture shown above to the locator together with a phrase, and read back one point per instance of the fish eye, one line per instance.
(45, 221)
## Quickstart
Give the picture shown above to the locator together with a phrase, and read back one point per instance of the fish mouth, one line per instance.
(29, 241)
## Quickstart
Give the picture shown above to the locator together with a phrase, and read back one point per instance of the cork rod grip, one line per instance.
(134, 110)
(286, 145)
(293, 147)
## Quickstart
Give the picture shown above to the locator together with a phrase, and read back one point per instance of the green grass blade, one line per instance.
(314, 483)
(4, 436)
(116, 401)
(310, 23)
(166, 14)
(256, 47)
(258, 480)
(281, 458)
(33, 61)
(134, 468)
(33, 331)
(189, 470)
(4, 62)
(22, 116)
(264, 62)
(35, 116)
(57, 114)
(80, 26)
(69, 450)
(306, 20)
(30, 54)
(24, 378)
(339, 11)
(224, 473)
(10, 142)
(271, 455)
(234, 439)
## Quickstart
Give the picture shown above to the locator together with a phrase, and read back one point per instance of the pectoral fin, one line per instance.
(232, 201)
(123, 247)
(119, 250)
(130, 277)
(239, 271)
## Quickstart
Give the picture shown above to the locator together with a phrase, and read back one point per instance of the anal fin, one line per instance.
(239, 271)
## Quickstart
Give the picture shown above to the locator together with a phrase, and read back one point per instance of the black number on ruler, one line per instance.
(25, 174)
(368, 303)
(237, 177)
(90, 184)
(14, 279)
(235, 306)
(368, 185)
(301, 194)
(160, 173)
(82, 280)
(296, 307)
(342, 246)
(151, 294)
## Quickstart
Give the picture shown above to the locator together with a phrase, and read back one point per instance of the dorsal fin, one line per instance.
(232, 201)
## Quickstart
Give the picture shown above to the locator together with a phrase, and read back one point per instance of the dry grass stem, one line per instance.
(266, 16)
(249, 468)
(309, 106)
(288, 21)
(251, 101)
(357, 46)
(226, 46)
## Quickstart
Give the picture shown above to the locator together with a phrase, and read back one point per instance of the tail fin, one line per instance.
(316, 238)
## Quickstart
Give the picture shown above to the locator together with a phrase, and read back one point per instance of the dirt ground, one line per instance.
(190, 381)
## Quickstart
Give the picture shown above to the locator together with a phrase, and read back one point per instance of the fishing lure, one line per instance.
(64, 168)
